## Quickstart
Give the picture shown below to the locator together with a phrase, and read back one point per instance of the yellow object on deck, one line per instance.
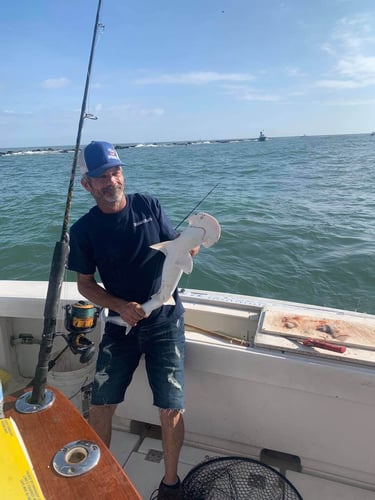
(17, 478)
(4, 377)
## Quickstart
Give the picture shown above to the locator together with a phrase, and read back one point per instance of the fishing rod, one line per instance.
(197, 205)
(60, 254)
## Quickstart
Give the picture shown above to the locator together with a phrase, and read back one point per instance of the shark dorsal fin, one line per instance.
(185, 262)
(162, 247)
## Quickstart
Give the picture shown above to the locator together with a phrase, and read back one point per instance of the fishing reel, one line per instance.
(80, 319)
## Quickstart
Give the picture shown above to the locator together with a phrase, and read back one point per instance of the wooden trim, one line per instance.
(48, 431)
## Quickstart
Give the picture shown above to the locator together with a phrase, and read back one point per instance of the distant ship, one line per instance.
(261, 137)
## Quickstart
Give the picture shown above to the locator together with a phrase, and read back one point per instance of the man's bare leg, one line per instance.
(173, 431)
(100, 419)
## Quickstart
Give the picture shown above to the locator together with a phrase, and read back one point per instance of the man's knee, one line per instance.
(170, 416)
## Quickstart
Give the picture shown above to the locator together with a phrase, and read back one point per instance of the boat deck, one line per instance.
(137, 448)
(141, 457)
(251, 385)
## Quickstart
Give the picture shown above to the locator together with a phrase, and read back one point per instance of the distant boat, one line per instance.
(261, 137)
(372, 133)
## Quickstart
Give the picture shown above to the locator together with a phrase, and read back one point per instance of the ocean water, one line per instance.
(297, 214)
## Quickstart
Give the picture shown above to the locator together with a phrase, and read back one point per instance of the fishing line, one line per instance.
(187, 280)
(92, 116)
(83, 115)
(196, 206)
(60, 254)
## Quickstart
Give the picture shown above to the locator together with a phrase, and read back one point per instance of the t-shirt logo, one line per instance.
(143, 221)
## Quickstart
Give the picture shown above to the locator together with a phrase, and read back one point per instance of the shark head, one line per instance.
(210, 226)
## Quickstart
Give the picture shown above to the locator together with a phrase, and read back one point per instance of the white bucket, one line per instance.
(70, 376)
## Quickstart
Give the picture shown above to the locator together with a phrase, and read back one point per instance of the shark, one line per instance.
(203, 229)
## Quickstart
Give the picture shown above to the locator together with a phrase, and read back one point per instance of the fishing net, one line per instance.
(237, 478)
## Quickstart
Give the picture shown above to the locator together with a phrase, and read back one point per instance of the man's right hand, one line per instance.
(131, 312)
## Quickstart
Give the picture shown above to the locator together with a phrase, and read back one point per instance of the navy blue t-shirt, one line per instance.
(118, 247)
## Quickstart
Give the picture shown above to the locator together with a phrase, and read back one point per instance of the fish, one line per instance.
(325, 329)
(203, 229)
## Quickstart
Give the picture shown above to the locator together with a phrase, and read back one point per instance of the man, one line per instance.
(114, 238)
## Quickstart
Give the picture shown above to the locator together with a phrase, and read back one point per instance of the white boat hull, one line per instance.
(315, 406)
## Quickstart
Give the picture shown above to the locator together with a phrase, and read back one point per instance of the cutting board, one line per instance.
(337, 328)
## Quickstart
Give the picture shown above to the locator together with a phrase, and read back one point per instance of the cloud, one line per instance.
(194, 78)
(55, 83)
(350, 102)
(256, 96)
(245, 93)
(295, 73)
(359, 67)
(124, 111)
(10, 112)
(348, 44)
(152, 112)
(338, 84)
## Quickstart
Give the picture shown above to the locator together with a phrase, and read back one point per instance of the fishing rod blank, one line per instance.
(40, 398)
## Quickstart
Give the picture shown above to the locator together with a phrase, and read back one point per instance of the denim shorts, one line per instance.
(119, 354)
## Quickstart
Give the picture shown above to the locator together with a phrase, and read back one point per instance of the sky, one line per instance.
(179, 70)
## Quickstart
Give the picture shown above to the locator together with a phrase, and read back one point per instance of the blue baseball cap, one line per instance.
(97, 157)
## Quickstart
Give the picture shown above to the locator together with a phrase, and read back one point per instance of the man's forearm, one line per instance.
(90, 289)
(131, 312)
